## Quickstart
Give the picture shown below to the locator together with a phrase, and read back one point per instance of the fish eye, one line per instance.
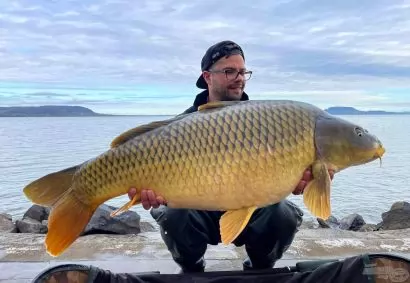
(359, 131)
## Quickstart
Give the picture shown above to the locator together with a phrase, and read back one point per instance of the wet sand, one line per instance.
(22, 256)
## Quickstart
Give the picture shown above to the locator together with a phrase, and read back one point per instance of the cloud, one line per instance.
(344, 49)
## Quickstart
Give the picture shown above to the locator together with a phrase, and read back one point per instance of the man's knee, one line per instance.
(285, 216)
(278, 221)
(187, 224)
(168, 217)
(175, 224)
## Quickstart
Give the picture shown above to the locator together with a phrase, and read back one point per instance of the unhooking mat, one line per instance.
(374, 268)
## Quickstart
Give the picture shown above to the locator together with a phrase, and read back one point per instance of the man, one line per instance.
(188, 232)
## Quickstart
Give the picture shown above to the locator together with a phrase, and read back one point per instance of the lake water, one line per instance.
(33, 147)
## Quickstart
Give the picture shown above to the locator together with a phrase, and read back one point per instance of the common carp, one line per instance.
(233, 156)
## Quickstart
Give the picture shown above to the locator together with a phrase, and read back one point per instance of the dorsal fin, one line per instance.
(217, 104)
(132, 133)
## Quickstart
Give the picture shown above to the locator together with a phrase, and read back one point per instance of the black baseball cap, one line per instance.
(213, 54)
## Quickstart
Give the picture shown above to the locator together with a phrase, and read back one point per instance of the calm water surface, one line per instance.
(33, 147)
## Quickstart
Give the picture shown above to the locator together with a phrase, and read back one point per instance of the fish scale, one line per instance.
(229, 156)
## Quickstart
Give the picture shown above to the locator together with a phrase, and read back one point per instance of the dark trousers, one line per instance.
(267, 236)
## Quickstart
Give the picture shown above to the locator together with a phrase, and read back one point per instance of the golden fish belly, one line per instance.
(222, 160)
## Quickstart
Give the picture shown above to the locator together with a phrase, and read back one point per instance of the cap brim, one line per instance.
(201, 83)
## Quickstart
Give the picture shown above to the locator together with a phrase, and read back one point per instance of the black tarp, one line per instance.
(374, 268)
(377, 268)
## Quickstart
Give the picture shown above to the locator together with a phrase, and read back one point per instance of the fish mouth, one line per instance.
(380, 150)
(379, 153)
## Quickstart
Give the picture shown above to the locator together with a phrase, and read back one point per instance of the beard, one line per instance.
(232, 92)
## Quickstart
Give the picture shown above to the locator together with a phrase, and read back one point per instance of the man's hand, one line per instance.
(148, 198)
(307, 177)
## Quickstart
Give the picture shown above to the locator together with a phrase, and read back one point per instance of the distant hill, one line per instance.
(79, 111)
(47, 111)
(353, 111)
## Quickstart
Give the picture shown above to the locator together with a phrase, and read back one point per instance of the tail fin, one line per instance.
(49, 189)
(68, 216)
(67, 220)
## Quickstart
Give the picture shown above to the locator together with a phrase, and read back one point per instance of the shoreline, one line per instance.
(128, 235)
(130, 244)
(23, 256)
(308, 243)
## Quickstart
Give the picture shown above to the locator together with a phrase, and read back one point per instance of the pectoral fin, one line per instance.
(316, 195)
(233, 222)
(135, 200)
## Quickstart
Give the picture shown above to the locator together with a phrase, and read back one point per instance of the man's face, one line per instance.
(222, 87)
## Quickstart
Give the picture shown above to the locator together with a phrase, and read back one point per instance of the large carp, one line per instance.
(229, 156)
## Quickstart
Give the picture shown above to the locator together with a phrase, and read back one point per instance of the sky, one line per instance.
(143, 57)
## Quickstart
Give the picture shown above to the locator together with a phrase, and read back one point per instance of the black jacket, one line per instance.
(202, 98)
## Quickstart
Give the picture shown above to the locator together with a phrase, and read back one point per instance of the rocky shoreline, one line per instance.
(397, 217)
(127, 237)
(308, 244)
(34, 221)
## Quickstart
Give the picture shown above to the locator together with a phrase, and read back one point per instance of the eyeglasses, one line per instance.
(232, 74)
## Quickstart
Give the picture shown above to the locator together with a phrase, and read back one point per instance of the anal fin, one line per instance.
(316, 195)
(233, 222)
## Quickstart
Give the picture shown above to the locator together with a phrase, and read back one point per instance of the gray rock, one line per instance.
(352, 222)
(37, 212)
(6, 223)
(379, 227)
(102, 223)
(368, 228)
(331, 222)
(29, 225)
(308, 224)
(403, 205)
(147, 227)
(34, 220)
(398, 217)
